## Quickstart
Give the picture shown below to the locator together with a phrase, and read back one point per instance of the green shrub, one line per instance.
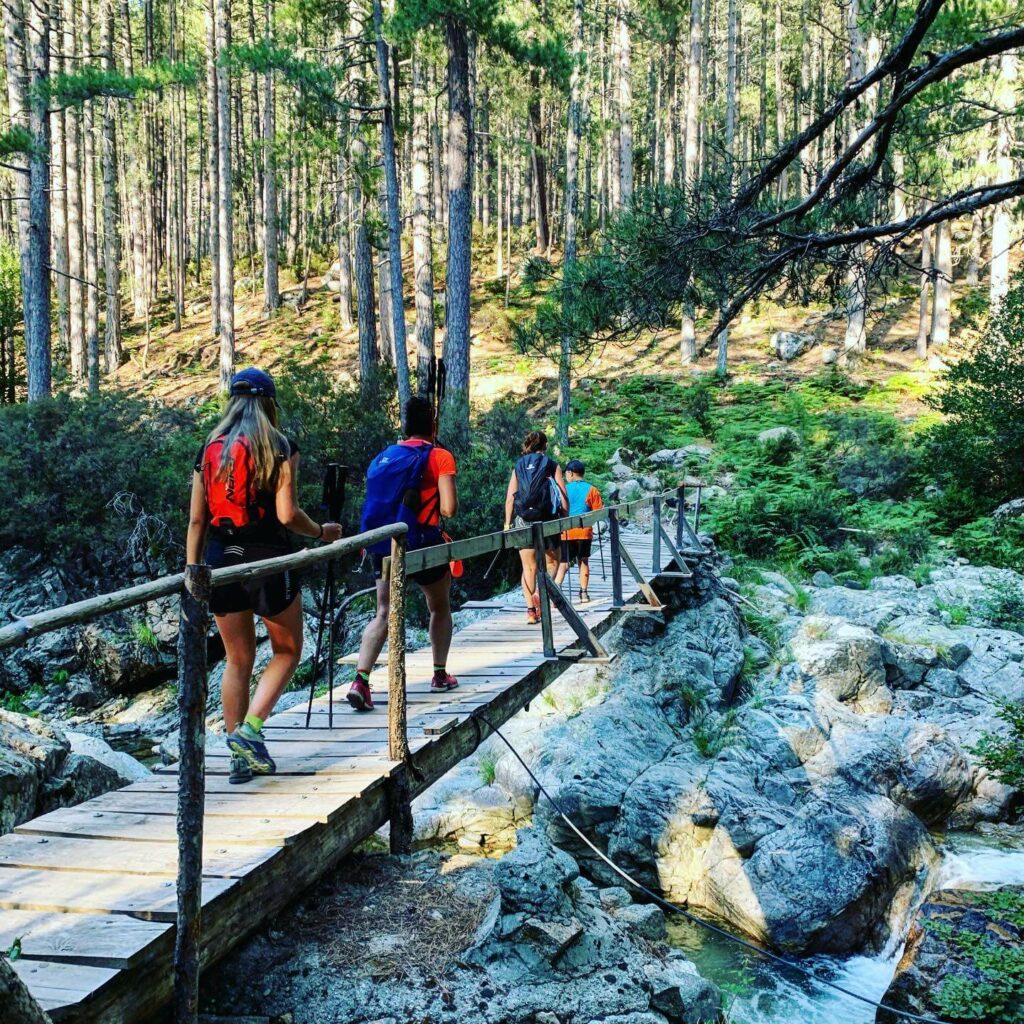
(978, 445)
(1004, 755)
(97, 482)
(330, 422)
(987, 541)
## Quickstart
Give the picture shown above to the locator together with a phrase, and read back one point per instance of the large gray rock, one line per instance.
(788, 345)
(843, 660)
(539, 947)
(40, 771)
(680, 458)
(950, 925)
(127, 658)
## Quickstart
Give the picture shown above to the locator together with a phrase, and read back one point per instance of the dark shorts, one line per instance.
(425, 578)
(576, 550)
(553, 545)
(267, 596)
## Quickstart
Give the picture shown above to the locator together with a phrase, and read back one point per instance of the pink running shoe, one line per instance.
(443, 681)
(359, 695)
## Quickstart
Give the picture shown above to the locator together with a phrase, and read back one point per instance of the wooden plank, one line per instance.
(146, 828)
(59, 985)
(328, 765)
(111, 857)
(85, 892)
(301, 806)
(99, 940)
(349, 784)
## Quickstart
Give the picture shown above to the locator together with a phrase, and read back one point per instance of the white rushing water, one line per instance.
(759, 991)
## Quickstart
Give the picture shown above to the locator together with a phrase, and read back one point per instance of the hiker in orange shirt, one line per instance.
(576, 543)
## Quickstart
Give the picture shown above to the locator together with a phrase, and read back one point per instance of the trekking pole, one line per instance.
(600, 547)
(332, 503)
(494, 561)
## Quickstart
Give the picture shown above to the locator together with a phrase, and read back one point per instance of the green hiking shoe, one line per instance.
(248, 744)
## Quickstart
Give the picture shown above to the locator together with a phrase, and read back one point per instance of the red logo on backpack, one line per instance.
(230, 495)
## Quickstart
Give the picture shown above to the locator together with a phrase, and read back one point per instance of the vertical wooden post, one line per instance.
(398, 736)
(656, 541)
(547, 632)
(680, 514)
(614, 551)
(696, 512)
(193, 624)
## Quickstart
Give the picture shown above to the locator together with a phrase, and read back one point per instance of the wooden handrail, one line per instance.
(521, 537)
(23, 629)
(93, 607)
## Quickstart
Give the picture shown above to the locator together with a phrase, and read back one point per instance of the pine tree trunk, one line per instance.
(977, 228)
(539, 166)
(394, 213)
(387, 333)
(999, 283)
(804, 103)
(780, 110)
(687, 331)
(91, 260)
(923, 319)
(16, 58)
(460, 153)
(271, 286)
(73, 183)
(572, 162)
(225, 212)
(856, 279)
(111, 206)
(365, 300)
(59, 227)
(422, 248)
(625, 104)
(212, 165)
(730, 90)
(943, 285)
(37, 278)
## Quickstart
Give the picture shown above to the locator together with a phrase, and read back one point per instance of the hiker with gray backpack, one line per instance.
(536, 494)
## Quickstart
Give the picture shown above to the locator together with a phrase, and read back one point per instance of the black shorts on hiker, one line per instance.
(267, 596)
(576, 551)
(553, 545)
(424, 578)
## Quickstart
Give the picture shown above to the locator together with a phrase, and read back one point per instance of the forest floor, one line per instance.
(180, 366)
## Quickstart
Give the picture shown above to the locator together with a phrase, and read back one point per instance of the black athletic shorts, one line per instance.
(425, 578)
(267, 596)
(576, 551)
(552, 545)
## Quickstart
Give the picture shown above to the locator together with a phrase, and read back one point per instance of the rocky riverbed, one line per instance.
(780, 757)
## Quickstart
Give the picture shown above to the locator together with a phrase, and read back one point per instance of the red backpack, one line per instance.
(231, 496)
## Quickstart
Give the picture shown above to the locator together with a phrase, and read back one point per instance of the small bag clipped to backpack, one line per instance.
(393, 495)
(537, 498)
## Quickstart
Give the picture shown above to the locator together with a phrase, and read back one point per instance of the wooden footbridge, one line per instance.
(118, 902)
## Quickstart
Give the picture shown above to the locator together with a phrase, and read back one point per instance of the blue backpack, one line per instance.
(393, 495)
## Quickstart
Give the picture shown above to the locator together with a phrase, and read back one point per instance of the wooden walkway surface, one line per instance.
(90, 890)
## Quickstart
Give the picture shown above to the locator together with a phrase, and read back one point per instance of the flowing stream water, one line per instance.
(759, 991)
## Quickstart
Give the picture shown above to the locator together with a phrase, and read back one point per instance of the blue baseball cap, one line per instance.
(575, 466)
(253, 382)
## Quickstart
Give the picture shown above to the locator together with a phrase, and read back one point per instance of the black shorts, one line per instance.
(576, 551)
(552, 545)
(425, 578)
(267, 596)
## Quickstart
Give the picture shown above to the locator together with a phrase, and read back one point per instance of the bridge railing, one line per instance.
(195, 585)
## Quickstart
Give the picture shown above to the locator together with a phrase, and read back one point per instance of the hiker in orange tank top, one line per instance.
(420, 472)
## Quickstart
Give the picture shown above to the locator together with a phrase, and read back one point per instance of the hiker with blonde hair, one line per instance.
(243, 508)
